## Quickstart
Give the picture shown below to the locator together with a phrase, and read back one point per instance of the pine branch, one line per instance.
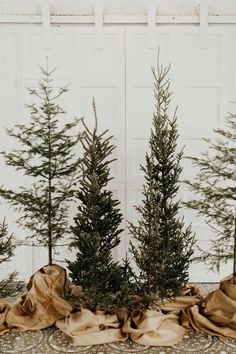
(163, 247)
(214, 184)
(47, 154)
(8, 286)
(97, 227)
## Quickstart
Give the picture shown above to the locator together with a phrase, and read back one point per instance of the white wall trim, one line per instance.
(114, 19)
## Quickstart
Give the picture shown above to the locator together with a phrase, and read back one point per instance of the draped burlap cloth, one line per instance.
(152, 327)
(190, 296)
(217, 313)
(161, 326)
(4, 308)
(87, 328)
(157, 327)
(42, 305)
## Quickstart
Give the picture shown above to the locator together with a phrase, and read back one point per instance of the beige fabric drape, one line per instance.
(189, 297)
(217, 313)
(42, 305)
(154, 328)
(159, 327)
(4, 308)
(87, 328)
(162, 326)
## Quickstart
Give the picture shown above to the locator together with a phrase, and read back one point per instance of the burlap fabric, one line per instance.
(190, 296)
(87, 328)
(4, 308)
(44, 304)
(161, 326)
(154, 328)
(217, 313)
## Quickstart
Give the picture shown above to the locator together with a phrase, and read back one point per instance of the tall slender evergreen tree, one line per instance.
(8, 286)
(215, 190)
(47, 156)
(97, 228)
(163, 247)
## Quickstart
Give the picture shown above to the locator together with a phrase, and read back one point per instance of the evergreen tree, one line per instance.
(163, 246)
(215, 189)
(97, 228)
(8, 286)
(46, 155)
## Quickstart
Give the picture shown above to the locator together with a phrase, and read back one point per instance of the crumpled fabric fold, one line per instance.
(87, 328)
(43, 303)
(4, 308)
(153, 328)
(216, 315)
(190, 296)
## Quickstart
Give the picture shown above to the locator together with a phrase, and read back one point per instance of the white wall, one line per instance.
(118, 75)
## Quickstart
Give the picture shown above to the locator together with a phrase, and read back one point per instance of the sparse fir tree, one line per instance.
(215, 190)
(47, 156)
(8, 286)
(161, 245)
(97, 228)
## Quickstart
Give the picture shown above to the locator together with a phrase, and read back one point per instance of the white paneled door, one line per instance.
(118, 75)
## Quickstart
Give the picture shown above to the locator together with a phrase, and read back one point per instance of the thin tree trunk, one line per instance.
(50, 224)
(50, 199)
(49, 191)
(49, 176)
(234, 267)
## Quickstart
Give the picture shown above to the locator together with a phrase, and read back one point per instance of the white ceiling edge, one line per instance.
(117, 7)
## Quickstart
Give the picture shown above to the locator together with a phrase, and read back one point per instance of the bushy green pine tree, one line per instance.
(47, 156)
(215, 190)
(97, 228)
(8, 286)
(161, 246)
